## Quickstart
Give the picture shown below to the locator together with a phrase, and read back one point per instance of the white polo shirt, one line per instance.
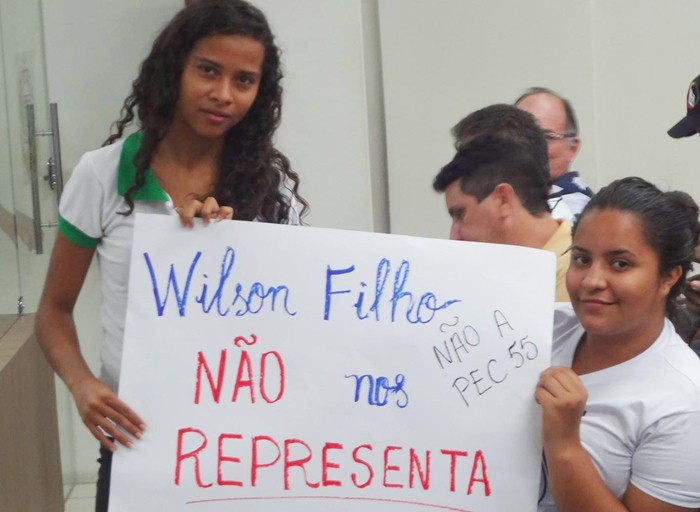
(89, 217)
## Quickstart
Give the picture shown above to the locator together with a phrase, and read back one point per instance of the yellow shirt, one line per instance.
(559, 244)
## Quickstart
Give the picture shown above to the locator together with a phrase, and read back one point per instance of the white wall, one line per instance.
(447, 58)
(645, 57)
(325, 130)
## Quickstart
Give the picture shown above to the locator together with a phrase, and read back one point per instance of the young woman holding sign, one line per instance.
(621, 416)
(208, 100)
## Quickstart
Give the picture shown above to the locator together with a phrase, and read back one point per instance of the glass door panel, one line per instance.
(30, 143)
(9, 272)
(28, 191)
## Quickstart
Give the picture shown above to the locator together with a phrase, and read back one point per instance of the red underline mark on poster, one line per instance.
(344, 498)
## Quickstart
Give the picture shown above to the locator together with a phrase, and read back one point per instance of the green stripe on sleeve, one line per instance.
(75, 235)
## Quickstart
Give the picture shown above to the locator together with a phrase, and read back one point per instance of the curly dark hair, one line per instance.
(252, 170)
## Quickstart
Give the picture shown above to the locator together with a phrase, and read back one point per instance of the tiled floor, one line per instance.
(80, 497)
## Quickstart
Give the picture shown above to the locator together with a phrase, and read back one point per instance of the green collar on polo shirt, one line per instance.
(151, 190)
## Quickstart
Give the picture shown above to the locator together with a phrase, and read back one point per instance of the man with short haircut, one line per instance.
(556, 117)
(507, 122)
(495, 192)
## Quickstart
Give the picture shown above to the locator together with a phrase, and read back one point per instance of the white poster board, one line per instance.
(294, 368)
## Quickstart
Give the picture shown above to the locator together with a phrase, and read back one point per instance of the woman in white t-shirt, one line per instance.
(621, 406)
(207, 100)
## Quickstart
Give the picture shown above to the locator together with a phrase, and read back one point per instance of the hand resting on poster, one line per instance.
(207, 210)
(563, 399)
(105, 415)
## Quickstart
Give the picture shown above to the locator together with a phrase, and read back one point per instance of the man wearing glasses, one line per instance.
(556, 117)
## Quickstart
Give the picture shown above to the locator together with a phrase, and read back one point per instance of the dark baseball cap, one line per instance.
(690, 124)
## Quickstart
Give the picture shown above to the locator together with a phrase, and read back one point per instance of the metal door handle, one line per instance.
(56, 161)
(54, 175)
(34, 180)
